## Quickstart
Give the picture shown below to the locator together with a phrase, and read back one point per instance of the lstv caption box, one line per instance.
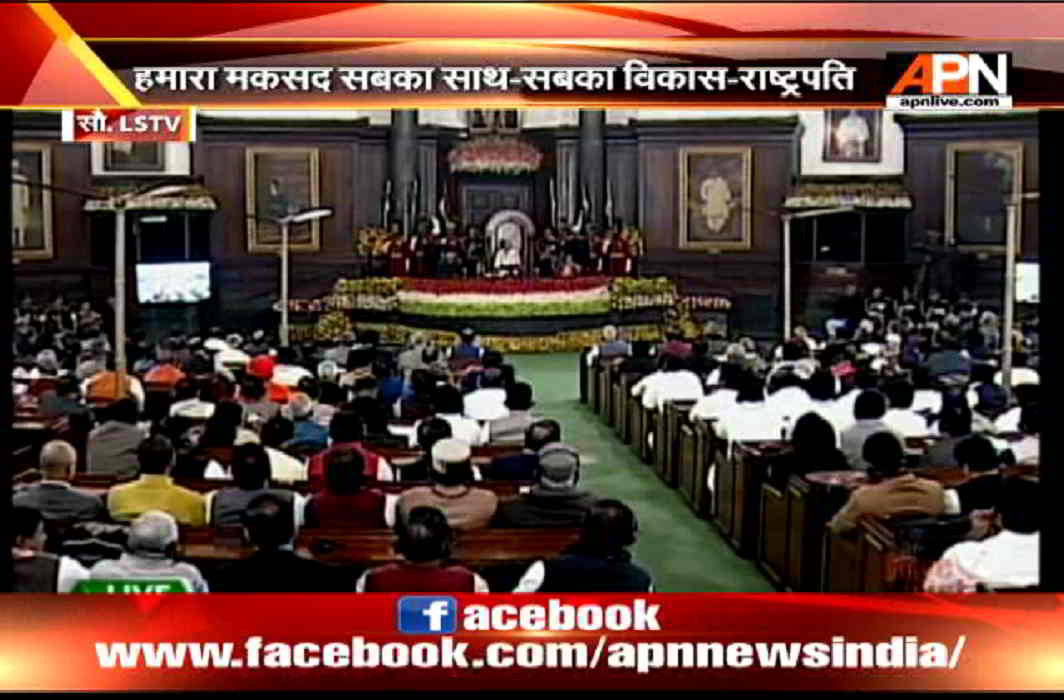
(117, 124)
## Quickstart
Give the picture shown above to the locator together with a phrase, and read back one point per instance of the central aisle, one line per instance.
(684, 554)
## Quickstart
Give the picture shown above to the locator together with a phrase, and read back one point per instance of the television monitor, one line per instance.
(173, 283)
(1027, 282)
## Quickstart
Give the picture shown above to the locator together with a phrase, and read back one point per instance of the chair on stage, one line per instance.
(516, 229)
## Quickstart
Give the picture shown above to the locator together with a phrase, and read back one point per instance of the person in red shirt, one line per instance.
(344, 503)
(262, 367)
(345, 431)
(424, 541)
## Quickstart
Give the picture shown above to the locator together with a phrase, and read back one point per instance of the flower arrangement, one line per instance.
(628, 294)
(333, 326)
(495, 154)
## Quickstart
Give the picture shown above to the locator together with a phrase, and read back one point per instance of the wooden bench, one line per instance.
(666, 452)
(584, 374)
(499, 555)
(103, 482)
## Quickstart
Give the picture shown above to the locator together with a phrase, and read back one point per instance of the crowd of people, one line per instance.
(887, 370)
(449, 252)
(294, 437)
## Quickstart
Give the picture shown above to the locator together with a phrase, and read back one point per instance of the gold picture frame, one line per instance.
(280, 180)
(965, 187)
(715, 192)
(34, 241)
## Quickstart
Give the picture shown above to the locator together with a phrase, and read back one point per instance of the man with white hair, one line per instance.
(53, 495)
(150, 555)
(306, 431)
(610, 347)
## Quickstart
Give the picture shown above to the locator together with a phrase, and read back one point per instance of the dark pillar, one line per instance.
(402, 164)
(592, 163)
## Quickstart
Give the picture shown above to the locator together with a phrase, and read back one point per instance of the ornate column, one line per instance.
(403, 164)
(592, 163)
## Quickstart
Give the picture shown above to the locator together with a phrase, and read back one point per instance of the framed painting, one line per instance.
(31, 206)
(281, 181)
(981, 179)
(134, 157)
(715, 198)
(853, 136)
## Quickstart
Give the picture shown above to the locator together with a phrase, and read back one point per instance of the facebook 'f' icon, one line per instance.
(426, 614)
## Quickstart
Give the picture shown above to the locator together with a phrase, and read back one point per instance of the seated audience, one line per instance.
(112, 445)
(900, 416)
(424, 540)
(466, 507)
(610, 348)
(954, 425)
(34, 570)
(467, 348)
(447, 401)
(257, 408)
(1009, 421)
(672, 382)
(287, 371)
(275, 566)
(525, 466)
(284, 468)
(788, 398)
(675, 345)
(418, 404)
(980, 460)
(1027, 449)
(345, 432)
(306, 433)
(813, 448)
(512, 427)
(428, 433)
(155, 490)
(193, 401)
(1008, 559)
(868, 412)
(102, 387)
(555, 500)
(251, 478)
(748, 419)
(344, 502)
(53, 496)
(488, 402)
(151, 553)
(599, 563)
(894, 491)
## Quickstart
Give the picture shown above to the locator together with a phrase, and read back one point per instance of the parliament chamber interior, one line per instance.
(543, 350)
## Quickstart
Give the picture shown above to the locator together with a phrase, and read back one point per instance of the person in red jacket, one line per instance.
(424, 541)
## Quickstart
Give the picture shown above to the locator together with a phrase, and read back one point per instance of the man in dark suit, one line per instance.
(53, 496)
(981, 460)
(525, 466)
(555, 501)
(275, 567)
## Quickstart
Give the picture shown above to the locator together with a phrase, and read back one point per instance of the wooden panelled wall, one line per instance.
(642, 165)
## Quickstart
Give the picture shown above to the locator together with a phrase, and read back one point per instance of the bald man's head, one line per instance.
(58, 460)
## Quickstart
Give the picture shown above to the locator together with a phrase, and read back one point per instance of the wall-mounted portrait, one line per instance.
(493, 120)
(715, 198)
(134, 157)
(31, 205)
(853, 136)
(981, 179)
(281, 181)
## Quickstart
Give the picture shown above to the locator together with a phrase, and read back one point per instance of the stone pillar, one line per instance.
(592, 163)
(402, 164)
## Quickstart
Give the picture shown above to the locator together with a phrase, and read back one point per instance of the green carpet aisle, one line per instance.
(685, 554)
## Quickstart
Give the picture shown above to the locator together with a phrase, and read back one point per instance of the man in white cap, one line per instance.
(466, 507)
(149, 555)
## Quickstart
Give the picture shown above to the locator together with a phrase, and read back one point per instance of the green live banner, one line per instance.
(128, 586)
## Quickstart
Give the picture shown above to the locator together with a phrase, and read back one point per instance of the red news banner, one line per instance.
(676, 641)
(112, 124)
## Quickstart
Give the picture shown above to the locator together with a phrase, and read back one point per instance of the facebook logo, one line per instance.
(426, 614)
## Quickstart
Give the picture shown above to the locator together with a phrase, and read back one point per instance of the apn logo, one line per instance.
(425, 614)
(954, 74)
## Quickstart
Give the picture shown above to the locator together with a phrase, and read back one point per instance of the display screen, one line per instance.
(1027, 282)
(173, 283)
